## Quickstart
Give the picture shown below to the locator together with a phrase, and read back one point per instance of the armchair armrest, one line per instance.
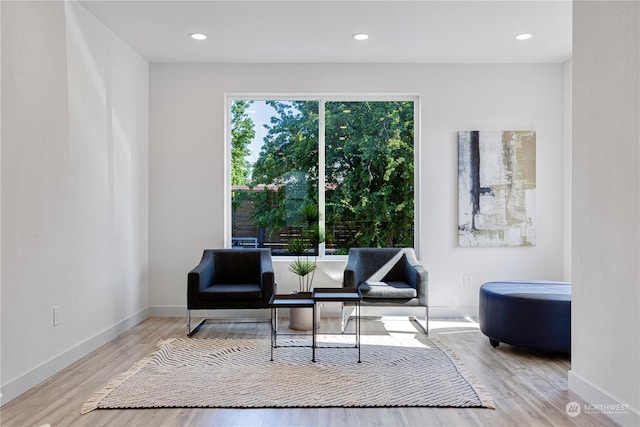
(423, 285)
(417, 277)
(352, 277)
(200, 277)
(267, 277)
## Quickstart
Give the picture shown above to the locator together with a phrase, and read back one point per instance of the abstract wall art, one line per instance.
(496, 188)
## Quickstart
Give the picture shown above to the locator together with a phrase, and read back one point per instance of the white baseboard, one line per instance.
(599, 401)
(16, 387)
(181, 311)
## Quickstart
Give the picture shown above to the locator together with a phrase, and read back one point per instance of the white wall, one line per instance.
(606, 205)
(0, 192)
(187, 164)
(566, 156)
(74, 188)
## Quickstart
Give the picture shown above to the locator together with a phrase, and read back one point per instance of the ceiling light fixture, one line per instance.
(198, 36)
(361, 36)
(524, 36)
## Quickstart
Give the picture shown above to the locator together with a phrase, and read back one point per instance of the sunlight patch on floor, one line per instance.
(467, 322)
(405, 330)
(401, 324)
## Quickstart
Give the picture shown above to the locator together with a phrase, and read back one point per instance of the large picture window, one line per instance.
(321, 176)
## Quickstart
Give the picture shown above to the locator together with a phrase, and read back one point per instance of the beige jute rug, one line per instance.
(237, 373)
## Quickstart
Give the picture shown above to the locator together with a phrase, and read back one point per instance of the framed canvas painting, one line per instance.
(496, 188)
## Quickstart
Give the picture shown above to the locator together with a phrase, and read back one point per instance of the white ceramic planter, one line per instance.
(301, 318)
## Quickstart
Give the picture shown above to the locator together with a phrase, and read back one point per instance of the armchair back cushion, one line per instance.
(236, 267)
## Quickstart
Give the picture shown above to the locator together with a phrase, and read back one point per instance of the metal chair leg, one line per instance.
(424, 328)
(343, 322)
(190, 331)
(426, 319)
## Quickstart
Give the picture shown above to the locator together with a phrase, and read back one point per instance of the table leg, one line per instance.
(274, 328)
(358, 331)
(313, 334)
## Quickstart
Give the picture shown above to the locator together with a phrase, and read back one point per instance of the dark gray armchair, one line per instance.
(230, 279)
(387, 277)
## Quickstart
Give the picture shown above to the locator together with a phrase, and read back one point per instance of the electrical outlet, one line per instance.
(56, 316)
(466, 280)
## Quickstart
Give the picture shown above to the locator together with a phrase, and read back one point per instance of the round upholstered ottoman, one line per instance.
(533, 314)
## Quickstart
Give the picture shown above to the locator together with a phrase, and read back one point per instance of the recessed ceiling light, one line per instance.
(361, 36)
(198, 36)
(524, 36)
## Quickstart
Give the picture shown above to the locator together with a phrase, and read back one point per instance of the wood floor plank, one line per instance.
(528, 387)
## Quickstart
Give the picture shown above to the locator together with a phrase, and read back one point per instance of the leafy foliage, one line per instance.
(289, 160)
(242, 133)
(370, 170)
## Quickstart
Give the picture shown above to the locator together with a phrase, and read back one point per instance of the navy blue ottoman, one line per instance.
(533, 314)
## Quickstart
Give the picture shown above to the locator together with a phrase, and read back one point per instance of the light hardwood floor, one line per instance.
(528, 387)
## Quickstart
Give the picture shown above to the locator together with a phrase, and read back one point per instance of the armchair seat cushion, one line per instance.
(234, 292)
(387, 290)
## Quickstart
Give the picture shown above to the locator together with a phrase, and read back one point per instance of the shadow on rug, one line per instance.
(237, 373)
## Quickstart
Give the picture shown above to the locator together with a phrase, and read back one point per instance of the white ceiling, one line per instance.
(320, 31)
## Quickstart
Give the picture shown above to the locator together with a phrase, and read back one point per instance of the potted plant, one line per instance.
(305, 248)
(302, 266)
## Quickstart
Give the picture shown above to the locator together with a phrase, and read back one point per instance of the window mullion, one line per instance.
(321, 171)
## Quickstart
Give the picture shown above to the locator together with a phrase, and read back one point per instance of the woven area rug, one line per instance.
(237, 373)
